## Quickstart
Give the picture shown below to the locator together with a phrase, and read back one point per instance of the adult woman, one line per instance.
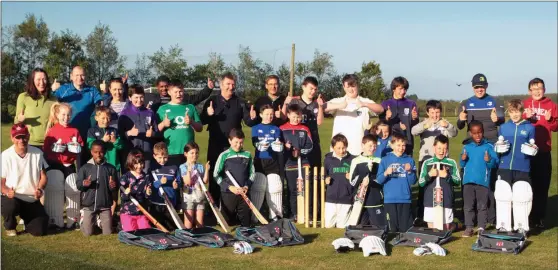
(33, 106)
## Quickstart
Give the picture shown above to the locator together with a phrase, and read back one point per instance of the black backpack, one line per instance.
(416, 237)
(282, 232)
(206, 236)
(500, 242)
(358, 232)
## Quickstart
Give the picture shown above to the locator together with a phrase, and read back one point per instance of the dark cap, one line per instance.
(479, 80)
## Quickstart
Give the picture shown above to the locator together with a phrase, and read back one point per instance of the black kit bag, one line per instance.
(153, 239)
(416, 236)
(282, 232)
(500, 242)
(358, 232)
(206, 236)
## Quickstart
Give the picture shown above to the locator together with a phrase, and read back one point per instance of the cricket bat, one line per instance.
(358, 204)
(214, 208)
(307, 197)
(300, 195)
(438, 203)
(248, 202)
(323, 192)
(171, 209)
(315, 199)
(144, 212)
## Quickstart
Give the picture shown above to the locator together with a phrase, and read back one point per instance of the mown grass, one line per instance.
(71, 250)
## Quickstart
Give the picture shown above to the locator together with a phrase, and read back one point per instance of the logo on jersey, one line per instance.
(97, 134)
(406, 111)
(471, 104)
(523, 132)
(489, 103)
(315, 110)
(260, 131)
(272, 131)
(301, 134)
(171, 171)
(148, 119)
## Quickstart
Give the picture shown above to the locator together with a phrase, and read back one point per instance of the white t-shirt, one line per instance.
(23, 174)
(351, 122)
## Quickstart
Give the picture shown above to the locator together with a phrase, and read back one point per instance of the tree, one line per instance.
(141, 73)
(322, 65)
(65, 52)
(103, 57)
(171, 63)
(215, 66)
(11, 86)
(371, 83)
(413, 97)
(331, 87)
(30, 41)
(251, 74)
(284, 74)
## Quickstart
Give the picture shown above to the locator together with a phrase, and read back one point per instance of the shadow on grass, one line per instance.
(309, 238)
(551, 218)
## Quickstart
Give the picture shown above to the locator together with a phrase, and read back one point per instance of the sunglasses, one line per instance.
(21, 137)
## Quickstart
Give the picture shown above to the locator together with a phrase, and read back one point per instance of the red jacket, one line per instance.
(66, 134)
(543, 128)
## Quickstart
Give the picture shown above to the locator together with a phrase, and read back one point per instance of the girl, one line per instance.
(62, 146)
(194, 199)
(136, 184)
(381, 128)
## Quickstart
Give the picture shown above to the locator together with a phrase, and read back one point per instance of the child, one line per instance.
(97, 180)
(194, 199)
(298, 145)
(448, 173)
(167, 176)
(397, 174)
(400, 112)
(514, 183)
(266, 138)
(366, 164)
(477, 159)
(428, 129)
(61, 153)
(239, 164)
(137, 125)
(107, 134)
(178, 123)
(543, 114)
(382, 130)
(339, 192)
(136, 185)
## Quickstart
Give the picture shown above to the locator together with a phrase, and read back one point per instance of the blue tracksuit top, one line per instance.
(476, 170)
(516, 135)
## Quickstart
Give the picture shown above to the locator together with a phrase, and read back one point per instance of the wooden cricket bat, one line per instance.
(144, 212)
(248, 202)
(307, 196)
(300, 195)
(315, 199)
(323, 192)
(222, 221)
(438, 203)
(171, 209)
(358, 204)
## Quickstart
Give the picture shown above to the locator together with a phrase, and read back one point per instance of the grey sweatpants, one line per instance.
(89, 220)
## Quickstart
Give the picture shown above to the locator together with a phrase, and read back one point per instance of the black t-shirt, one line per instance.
(266, 100)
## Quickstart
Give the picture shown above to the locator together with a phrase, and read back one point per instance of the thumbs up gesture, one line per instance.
(278, 113)
(402, 126)
(320, 100)
(55, 85)
(148, 191)
(187, 119)
(87, 182)
(125, 78)
(486, 156)
(443, 172)
(210, 110)
(103, 86)
(493, 115)
(464, 156)
(528, 113)
(11, 193)
(112, 184)
(433, 172)
(414, 113)
(166, 121)
(175, 184)
(548, 115)
(106, 137)
(252, 112)
(210, 83)
(163, 180)
(133, 132)
(463, 114)
(149, 132)
(21, 116)
(112, 137)
(388, 113)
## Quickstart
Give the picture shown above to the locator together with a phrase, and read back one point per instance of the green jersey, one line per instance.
(180, 133)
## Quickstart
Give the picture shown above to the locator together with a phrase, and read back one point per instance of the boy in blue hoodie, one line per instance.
(382, 130)
(397, 173)
(477, 159)
(514, 183)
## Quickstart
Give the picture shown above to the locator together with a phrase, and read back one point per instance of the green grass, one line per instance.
(73, 250)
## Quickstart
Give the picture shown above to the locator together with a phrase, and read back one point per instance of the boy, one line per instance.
(239, 163)
(364, 165)
(97, 181)
(351, 113)
(167, 176)
(400, 112)
(266, 138)
(477, 159)
(543, 114)
(382, 130)
(448, 173)
(178, 123)
(298, 144)
(108, 135)
(428, 130)
(339, 192)
(513, 182)
(397, 174)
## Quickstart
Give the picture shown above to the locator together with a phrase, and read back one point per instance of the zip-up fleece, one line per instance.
(299, 136)
(111, 149)
(138, 187)
(359, 170)
(172, 173)
(340, 190)
(427, 136)
(66, 134)
(401, 110)
(445, 182)
(239, 164)
(476, 170)
(98, 195)
(543, 127)
(480, 109)
(516, 135)
(397, 185)
(142, 118)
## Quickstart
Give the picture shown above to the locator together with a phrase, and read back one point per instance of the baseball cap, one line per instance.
(479, 80)
(19, 129)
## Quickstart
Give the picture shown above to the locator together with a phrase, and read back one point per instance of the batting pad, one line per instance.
(274, 195)
(70, 185)
(257, 191)
(522, 202)
(54, 197)
(503, 197)
(72, 208)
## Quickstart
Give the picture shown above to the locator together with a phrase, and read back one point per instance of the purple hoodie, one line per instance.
(401, 112)
(142, 118)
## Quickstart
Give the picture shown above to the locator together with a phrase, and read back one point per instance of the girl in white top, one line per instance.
(194, 199)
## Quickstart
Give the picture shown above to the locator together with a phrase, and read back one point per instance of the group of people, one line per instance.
(76, 148)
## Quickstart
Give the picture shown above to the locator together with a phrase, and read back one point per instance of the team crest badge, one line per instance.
(489, 103)
(471, 104)
(301, 134)
(523, 132)
(272, 131)
(406, 111)
(97, 134)
(315, 110)
(260, 131)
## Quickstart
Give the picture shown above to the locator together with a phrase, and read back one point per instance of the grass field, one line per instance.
(71, 250)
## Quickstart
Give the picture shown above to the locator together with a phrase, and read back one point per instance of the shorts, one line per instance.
(429, 215)
(194, 201)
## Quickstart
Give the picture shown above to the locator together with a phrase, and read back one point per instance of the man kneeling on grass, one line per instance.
(23, 183)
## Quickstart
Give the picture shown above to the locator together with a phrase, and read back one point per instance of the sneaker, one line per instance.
(468, 232)
(480, 231)
(11, 232)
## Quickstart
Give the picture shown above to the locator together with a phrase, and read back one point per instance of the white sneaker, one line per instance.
(11, 233)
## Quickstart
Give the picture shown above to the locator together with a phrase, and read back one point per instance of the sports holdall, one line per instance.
(282, 232)
(206, 236)
(416, 237)
(500, 242)
(358, 232)
(153, 239)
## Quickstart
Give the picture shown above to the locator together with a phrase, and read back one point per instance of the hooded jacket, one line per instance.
(340, 190)
(98, 195)
(543, 127)
(516, 135)
(397, 185)
(142, 118)
(429, 183)
(429, 133)
(111, 149)
(476, 169)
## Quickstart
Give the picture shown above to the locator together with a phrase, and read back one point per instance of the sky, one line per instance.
(434, 45)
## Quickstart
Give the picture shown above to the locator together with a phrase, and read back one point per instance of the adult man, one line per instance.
(154, 101)
(273, 98)
(221, 113)
(490, 113)
(23, 183)
(352, 114)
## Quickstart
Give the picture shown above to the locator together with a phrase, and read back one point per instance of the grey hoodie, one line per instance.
(428, 133)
